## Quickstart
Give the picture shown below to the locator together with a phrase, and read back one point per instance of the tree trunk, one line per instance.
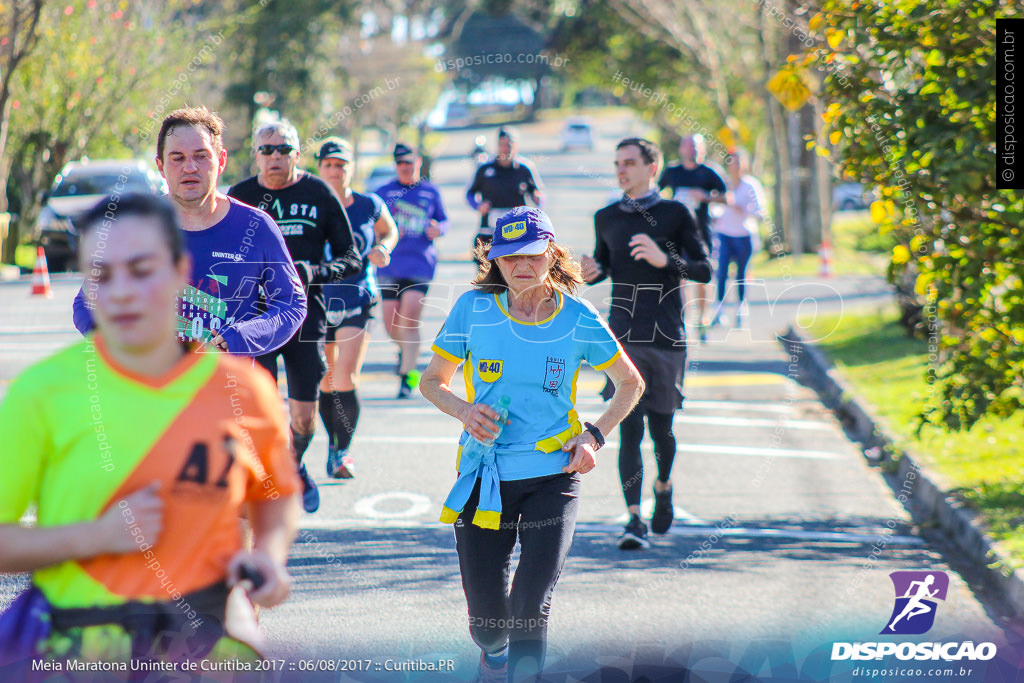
(782, 210)
(793, 182)
(809, 172)
(824, 175)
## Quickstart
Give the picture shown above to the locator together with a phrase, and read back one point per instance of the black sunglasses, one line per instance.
(267, 150)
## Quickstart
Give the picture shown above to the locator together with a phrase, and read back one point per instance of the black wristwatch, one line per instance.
(596, 433)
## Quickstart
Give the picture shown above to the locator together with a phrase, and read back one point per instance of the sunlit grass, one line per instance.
(887, 368)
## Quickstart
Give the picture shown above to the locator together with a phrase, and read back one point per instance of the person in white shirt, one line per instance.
(736, 229)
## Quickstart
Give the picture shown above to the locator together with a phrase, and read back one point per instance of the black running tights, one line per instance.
(541, 513)
(631, 467)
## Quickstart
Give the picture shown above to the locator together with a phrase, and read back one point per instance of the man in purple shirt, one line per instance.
(418, 211)
(238, 253)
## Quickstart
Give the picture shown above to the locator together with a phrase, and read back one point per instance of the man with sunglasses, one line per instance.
(310, 216)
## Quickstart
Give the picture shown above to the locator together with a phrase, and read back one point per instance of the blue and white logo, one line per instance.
(917, 594)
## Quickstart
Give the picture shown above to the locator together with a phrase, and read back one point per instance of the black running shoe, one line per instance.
(663, 515)
(310, 494)
(634, 536)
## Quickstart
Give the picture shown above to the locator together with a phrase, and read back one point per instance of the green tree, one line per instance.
(71, 103)
(912, 112)
(20, 22)
(288, 51)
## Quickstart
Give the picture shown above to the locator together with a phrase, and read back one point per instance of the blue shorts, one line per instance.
(354, 317)
(392, 288)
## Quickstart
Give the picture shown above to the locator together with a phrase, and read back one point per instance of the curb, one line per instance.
(9, 273)
(927, 498)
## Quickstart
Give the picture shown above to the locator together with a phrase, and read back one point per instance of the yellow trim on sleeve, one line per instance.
(554, 443)
(608, 363)
(448, 516)
(444, 354)
(458, 458)
(487, 519)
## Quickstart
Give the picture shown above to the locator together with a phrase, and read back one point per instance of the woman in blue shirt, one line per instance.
(522, 335)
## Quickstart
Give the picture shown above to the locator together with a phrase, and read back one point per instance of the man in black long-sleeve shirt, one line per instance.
(310, 216)
(647, 245)
(501, 184)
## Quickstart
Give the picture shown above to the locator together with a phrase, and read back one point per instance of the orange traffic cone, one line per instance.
(825, 256)
(41, 276)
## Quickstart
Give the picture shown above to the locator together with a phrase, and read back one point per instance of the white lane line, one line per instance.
(782, 423)
(789, 534)
(716, 406)
(727, 421)
(711, 449)
(755, 452)
(613, 531)
(647, 509)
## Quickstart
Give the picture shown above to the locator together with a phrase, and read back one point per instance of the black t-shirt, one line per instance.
(505, 187)
(702, 177)
(309, 215)
(647, 302)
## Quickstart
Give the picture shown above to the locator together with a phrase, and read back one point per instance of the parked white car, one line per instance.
(577, 134)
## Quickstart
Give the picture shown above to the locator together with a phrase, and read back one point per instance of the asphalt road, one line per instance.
(784, 539)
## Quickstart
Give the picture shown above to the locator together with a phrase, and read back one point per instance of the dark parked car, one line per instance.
(76, 189)
(849, 197)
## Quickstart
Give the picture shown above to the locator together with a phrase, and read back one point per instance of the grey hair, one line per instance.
(283, 128)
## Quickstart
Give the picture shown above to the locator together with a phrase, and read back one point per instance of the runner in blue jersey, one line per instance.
(244, 295)
(350, 304)
(522, 335)
(421, 218)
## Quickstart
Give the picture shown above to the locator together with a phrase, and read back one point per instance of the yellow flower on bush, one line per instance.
(900, 254)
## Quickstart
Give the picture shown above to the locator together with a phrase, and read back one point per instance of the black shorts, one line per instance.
(304, 361)
(357, 317)
(662, 371)
(392, 288)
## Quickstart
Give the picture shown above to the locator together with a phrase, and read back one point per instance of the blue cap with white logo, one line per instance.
(523, 230)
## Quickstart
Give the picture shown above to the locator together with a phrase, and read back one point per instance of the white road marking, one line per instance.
(717, 406)
(647, 509)
(613, 531)
(710, 449)
(418, 505)
(730, 421)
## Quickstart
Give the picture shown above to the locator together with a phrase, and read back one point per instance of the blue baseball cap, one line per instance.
(522, 231)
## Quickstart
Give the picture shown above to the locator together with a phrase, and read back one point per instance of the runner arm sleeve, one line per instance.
(473, 189)
(663, 181)
(285, 302)
(689, 258)
(536, 186)
(601, 253)
(440, 215)
(755, 200)
(716, 183)
(346, 260)
(84, 322)
(452, 341)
